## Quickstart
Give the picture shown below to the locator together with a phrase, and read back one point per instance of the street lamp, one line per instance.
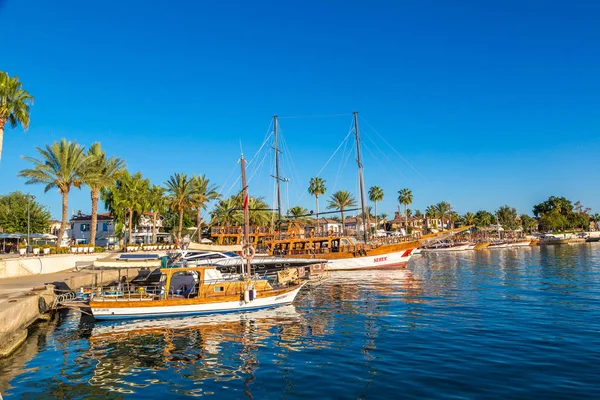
(29, 198)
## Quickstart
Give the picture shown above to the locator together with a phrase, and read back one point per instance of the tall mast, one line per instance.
(277, 177)
(361, 180)
(246, 213)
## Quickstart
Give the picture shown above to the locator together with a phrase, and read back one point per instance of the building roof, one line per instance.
(82, 217)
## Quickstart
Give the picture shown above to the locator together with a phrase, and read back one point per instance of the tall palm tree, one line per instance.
(100, 172)
(443, 208)
(59, 167)
(156, 205)
(317, 188)
(375, 195)
(405, 197)
(14, 104)
(469, 218)
(180, 189)
(229, 211)
(203, 192)
(131, 196)
(341, 200)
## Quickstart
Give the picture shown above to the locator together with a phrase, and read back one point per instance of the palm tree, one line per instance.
(405, 197)
(443, 208)
(298, 212)
(383, 219)
(229, 211)
(469, 218)
(100, 172)
(203, 192)
(156, 205)
(375, 195)
(341, 200)
(317, 188)
(131, 196)
(60, 167)
(180, 190)
(14, 104)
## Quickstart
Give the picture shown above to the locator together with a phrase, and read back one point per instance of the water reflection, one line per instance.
(483, 320)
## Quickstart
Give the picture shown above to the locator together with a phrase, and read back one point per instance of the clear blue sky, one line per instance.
(491, 102)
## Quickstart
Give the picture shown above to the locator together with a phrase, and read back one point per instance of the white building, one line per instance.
(81, 227)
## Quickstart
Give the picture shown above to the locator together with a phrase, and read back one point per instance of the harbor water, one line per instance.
(504, 323)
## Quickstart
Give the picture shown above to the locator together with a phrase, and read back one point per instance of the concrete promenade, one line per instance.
(25, 298)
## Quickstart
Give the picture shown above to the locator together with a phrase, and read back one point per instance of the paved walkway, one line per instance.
(11, 287)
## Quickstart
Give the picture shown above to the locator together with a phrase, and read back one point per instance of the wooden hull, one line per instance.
(519, 244)
(481, 246)
(194, 306)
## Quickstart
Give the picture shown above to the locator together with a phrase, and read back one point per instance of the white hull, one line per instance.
(194, 309)
(383, 261)
(446, 249)
(519, 244)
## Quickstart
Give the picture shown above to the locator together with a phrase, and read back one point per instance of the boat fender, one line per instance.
(246, 296)
(253, 296)
(42, 306)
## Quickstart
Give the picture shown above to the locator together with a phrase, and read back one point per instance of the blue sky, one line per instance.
(491, 103)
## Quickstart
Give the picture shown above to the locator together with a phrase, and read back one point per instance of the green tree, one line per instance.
(229, 212)
(298, 212)
(376, 195)
(443, 208)
(405, 197)
(527, 222)
(13, 214)
(383, 219)
(180, 191)
(317, 188)
(203, 192)
(483, 218)
(418, 214)
(14, 104)
(508, 218)
(60, 167)
(469, 218)
(157, 205)
(100, 172)
(341, 200)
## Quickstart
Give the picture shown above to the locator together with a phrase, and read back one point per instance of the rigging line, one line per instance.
(325, 166)
(315, 116)
(343, 165)
(386, 157)
(396, 151)
(258, 167)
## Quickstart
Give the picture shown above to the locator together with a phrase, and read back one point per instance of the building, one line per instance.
(327, 225)
(355, 224)
(81, 227)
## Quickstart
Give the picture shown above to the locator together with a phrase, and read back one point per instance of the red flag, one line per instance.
(246, 201)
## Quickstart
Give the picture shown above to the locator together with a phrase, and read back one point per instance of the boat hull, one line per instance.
(392, 260)
(105, 310)
(451, 248)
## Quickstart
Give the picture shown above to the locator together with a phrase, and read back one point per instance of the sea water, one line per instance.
(503, 323)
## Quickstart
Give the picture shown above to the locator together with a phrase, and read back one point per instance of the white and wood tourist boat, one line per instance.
(198, 290)
(191, 291)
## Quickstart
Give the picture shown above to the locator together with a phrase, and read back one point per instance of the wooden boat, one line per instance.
(191, 291)
(341, 252)
(481, 246)
(198, 290)
(442, 247)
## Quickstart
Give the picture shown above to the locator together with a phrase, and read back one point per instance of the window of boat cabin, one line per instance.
(183, 283)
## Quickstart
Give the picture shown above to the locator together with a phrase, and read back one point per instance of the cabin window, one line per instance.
(219, 289)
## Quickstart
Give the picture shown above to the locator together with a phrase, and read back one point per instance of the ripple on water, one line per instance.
(490, 324)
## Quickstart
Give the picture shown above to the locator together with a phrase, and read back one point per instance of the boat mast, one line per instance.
(278, 178)
(361, 180)
(246, 214)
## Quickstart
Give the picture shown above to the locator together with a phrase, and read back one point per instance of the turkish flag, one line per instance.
(246, 201)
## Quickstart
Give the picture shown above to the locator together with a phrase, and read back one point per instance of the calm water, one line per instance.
(494, 324)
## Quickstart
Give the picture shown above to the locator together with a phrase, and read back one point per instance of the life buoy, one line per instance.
(222, 230)
(248, 252)
(292, 235)
(331, 232)
(311, 234)
(257, 231)
(239, 231)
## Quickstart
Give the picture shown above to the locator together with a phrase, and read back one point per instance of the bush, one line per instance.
(98, 249)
